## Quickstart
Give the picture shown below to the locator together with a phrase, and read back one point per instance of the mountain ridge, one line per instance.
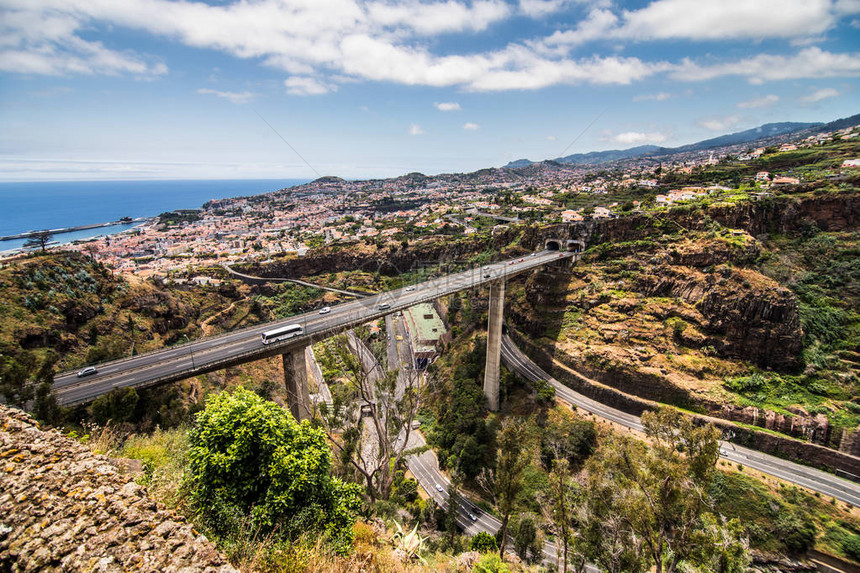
(746, 136)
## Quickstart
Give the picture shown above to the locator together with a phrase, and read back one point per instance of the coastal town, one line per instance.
(330, 210)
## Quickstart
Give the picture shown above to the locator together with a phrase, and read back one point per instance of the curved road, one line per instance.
(805, 476)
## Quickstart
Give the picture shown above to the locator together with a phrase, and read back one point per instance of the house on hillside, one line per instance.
(570, 216)
(780, 181)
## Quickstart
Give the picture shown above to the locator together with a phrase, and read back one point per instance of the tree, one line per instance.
(558, 509)
(527, 538)
(505, 482)
(605, 536)
(24, 377)
(119, 405)
(656, 498)
(38, 239)
(390, 400)
(250, 460)
(16, 368)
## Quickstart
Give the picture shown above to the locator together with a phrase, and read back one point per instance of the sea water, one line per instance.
(60, 204)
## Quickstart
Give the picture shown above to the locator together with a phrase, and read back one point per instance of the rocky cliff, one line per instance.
(63, 508)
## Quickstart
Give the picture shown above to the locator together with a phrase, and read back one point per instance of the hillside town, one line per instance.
(332, 210)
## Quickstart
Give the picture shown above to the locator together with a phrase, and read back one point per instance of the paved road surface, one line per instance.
(218, 352)
(810, 478)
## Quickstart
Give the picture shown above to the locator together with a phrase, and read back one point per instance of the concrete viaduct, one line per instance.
(218, 352)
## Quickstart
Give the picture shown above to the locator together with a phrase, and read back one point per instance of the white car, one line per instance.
(439, 488)
(325, 310)
(384, 305)
(410, 288)
(472, 517)
(88, 371)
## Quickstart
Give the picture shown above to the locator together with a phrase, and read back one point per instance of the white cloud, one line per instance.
(847, 6)
(540, 8)
(234, 97)
(551, 138)
(661, 96)
(819, 95)
(719, 123)
(601, 23)
(438, 17)
(808, 63)
(447, 106)
(415, 129)
(302, 86)
(765, 101)
(323, 43)
(469, 126)
(638, 138)
(728, 19)
(45, 42)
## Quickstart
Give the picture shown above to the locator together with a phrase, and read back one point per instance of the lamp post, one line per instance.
(191, 350)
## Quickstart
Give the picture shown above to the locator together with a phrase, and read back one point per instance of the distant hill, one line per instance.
(594, 157)
(741, 137)
(841, 123)
(747, 136)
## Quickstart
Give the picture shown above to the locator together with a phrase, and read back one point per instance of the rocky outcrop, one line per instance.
(63, 508)
(828, 212)
(393, 258)
(750, 316)
(815, 428)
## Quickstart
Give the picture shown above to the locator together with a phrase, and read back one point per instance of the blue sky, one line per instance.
(116, 89)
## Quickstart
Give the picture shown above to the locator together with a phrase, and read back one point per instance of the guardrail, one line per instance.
(442, 287)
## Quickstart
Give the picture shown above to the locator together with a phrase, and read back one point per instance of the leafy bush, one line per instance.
(250, 459)
(754, 381)
(491, 563)
(483, 542)
(851, 546)
(796, 530)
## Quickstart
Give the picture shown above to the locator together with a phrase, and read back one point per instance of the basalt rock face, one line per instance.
(63, 508)
(815, 428)
(390, 259)
(755, 320)
(831, 212)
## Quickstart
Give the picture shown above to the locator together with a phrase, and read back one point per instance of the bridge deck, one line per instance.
(218, 352)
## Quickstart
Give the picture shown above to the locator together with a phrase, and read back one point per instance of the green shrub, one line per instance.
(249, 459)
(796, 530)
(483, 542)
(851, 546)
(491, 563)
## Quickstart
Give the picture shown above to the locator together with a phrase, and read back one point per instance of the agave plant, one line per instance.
(410, 543)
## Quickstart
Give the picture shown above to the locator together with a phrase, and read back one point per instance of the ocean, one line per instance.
(60, 204)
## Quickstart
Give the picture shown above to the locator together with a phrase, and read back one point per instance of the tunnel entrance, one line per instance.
(575, 246)
(553, 245)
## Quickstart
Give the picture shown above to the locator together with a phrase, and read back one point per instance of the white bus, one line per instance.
(282, 333)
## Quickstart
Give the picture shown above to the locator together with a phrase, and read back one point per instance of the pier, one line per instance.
(62, 230)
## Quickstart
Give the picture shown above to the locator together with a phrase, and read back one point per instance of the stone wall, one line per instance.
(63, 508)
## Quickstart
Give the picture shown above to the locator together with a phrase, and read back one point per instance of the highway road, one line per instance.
(801, 475)
(218, 352)
(425, 466)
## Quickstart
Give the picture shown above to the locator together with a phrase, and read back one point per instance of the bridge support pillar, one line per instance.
(296, 380)
(494, 344)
